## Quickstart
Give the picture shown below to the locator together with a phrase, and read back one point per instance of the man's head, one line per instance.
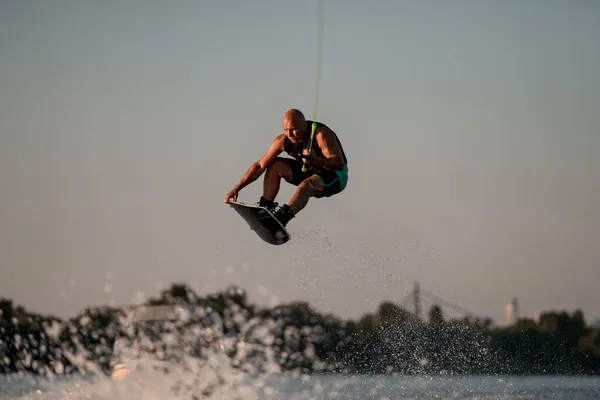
(294, 125)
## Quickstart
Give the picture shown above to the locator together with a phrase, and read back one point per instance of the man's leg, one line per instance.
(272, 181)
(308, 188)
(324, 183)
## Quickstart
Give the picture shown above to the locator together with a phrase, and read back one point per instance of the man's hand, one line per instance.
(233, 194)
(309, 157)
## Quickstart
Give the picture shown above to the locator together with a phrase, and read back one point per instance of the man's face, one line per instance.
(294, 130)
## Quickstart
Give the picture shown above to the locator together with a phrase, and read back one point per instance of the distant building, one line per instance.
(512, 311)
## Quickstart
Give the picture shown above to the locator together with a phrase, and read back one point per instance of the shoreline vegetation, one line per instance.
(389, 339)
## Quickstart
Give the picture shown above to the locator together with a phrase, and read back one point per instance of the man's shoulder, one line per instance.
(320, 128)
(324, 131)
(279, 138)
(279, 141)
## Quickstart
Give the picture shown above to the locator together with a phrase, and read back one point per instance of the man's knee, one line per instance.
(312, 185)
(281, 168)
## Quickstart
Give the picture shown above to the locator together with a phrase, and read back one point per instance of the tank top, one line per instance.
(295, 149)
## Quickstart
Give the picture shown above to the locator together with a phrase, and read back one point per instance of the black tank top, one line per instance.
(295, 149)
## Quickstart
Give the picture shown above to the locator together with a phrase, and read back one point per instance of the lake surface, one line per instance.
(294, 387)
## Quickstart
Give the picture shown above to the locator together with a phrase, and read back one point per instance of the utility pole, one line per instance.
(417, 300)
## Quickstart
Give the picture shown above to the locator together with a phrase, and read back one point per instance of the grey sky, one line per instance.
(471, 128)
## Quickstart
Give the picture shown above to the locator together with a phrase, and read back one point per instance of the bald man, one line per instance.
(326, 164)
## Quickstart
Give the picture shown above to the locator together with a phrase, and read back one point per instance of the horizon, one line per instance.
(471, 132)
(424, 314)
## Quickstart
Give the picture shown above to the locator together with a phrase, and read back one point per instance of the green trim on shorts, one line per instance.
(343, 177)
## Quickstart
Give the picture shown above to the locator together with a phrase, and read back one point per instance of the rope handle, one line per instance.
(312, 135)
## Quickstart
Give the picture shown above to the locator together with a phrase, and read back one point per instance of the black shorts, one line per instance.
(334, 181)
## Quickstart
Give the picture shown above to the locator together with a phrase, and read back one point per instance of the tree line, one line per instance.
(388, 340)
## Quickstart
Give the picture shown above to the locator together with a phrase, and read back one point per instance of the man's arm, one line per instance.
(258, 167)
(332, 153)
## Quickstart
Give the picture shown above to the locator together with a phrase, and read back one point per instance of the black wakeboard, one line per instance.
(261, 221)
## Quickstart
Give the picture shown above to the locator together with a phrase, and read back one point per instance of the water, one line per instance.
(301, 387)
(223, 350)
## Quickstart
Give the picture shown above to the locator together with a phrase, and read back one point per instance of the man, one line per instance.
(326, 166)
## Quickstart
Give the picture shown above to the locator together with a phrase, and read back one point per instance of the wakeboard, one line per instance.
(262, 221)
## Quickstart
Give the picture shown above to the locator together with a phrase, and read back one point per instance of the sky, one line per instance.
(472, 131)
